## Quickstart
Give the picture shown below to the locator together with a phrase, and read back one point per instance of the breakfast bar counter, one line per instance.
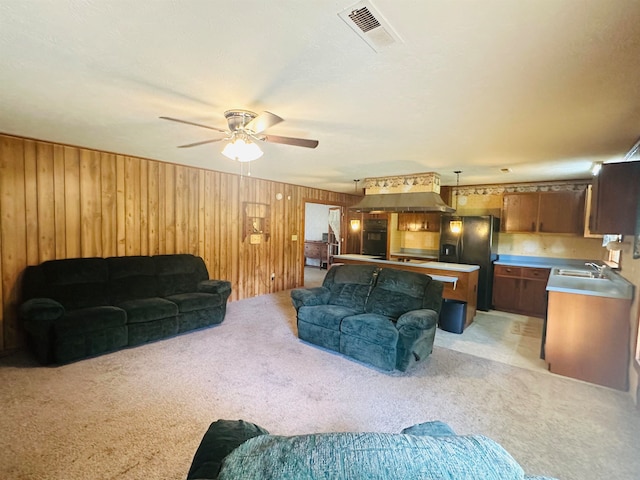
(460, 280)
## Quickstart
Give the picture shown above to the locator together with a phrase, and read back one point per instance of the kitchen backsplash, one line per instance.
(558, 246)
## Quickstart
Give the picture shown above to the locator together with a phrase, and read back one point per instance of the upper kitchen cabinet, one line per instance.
(543, 212)
(419, 222)
(520, 212)
(614, 199)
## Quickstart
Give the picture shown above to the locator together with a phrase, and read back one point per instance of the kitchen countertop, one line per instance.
(450, 267)
(413, 256)
(540, 262)
(612, 286)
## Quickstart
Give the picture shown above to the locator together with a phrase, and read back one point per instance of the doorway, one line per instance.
(322, 234)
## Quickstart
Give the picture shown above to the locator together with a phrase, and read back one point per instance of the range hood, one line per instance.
(402, 202)
(404, 194)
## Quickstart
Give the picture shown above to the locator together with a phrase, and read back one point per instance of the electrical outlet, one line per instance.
(273, 277)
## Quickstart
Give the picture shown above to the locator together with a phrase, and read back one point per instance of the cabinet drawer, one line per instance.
(541, 273)
(507, 271)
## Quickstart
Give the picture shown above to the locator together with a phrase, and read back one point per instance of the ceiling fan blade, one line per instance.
(297, 142)
(200, 143)
(194, 124)
(263, 121)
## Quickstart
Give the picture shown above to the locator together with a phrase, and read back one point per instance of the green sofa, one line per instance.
(384, 317)
(81, 307)
(235, 450)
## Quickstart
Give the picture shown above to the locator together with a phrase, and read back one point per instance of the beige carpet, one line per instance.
(140, 413)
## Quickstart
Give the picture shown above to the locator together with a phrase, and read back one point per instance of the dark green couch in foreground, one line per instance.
(381, 316)
(428, 451)
(81, 307)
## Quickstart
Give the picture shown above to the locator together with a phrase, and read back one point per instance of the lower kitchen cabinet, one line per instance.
(520, 290)
(587, 337)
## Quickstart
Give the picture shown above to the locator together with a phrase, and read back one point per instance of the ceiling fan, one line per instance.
(244, 127)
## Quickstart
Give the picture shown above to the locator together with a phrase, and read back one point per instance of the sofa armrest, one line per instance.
(422, 319)
(222, 287)
(222, 437)
(309, 296)
(39, 313)
(435, 428)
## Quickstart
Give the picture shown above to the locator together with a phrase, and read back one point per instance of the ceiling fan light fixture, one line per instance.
(242, 150)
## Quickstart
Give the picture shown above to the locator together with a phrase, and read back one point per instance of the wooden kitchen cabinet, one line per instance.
(506, 288)
(520, 212)
(520, 290)
(419, 222)
(544, 212)
(614, 199)
(587, 337)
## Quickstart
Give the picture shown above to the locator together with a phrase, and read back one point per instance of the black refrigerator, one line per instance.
(476, 244)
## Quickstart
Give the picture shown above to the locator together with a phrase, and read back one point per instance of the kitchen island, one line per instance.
(460, 280)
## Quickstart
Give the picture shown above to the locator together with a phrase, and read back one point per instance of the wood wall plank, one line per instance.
(59, 191)
(108, 208)
(73, 229)
(46, 199)
(13, 237)
(121, 212)
(31, 202)
(65, 202)
(153, 208)
(90, 204)
(143, 208)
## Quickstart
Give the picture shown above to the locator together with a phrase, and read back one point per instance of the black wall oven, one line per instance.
(374, 237)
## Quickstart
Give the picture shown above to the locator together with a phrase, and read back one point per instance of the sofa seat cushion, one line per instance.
(92, 319)
(377, 329)
(327, 316)
(360, 456)
(188, 302)
(148, 309)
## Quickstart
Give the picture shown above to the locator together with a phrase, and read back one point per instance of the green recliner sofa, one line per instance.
(235, 449)
(81, 307)
(384, 317)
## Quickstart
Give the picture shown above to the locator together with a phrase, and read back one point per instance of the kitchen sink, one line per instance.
(579, 274)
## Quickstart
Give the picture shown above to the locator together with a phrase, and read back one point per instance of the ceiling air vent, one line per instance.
(370, 25)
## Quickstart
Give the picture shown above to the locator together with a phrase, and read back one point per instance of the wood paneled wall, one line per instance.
(58, 201)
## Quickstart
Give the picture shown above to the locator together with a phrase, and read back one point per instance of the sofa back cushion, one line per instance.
(370, 456)
(132, 278)
(75, 282)
(396, 292)
(349, 285)
(179, 273)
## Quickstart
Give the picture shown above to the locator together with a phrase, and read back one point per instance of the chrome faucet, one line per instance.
(597, 268)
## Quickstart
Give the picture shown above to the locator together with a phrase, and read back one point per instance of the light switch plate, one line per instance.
(255, 238)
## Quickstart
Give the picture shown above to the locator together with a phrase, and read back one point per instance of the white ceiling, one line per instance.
(543, 87)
